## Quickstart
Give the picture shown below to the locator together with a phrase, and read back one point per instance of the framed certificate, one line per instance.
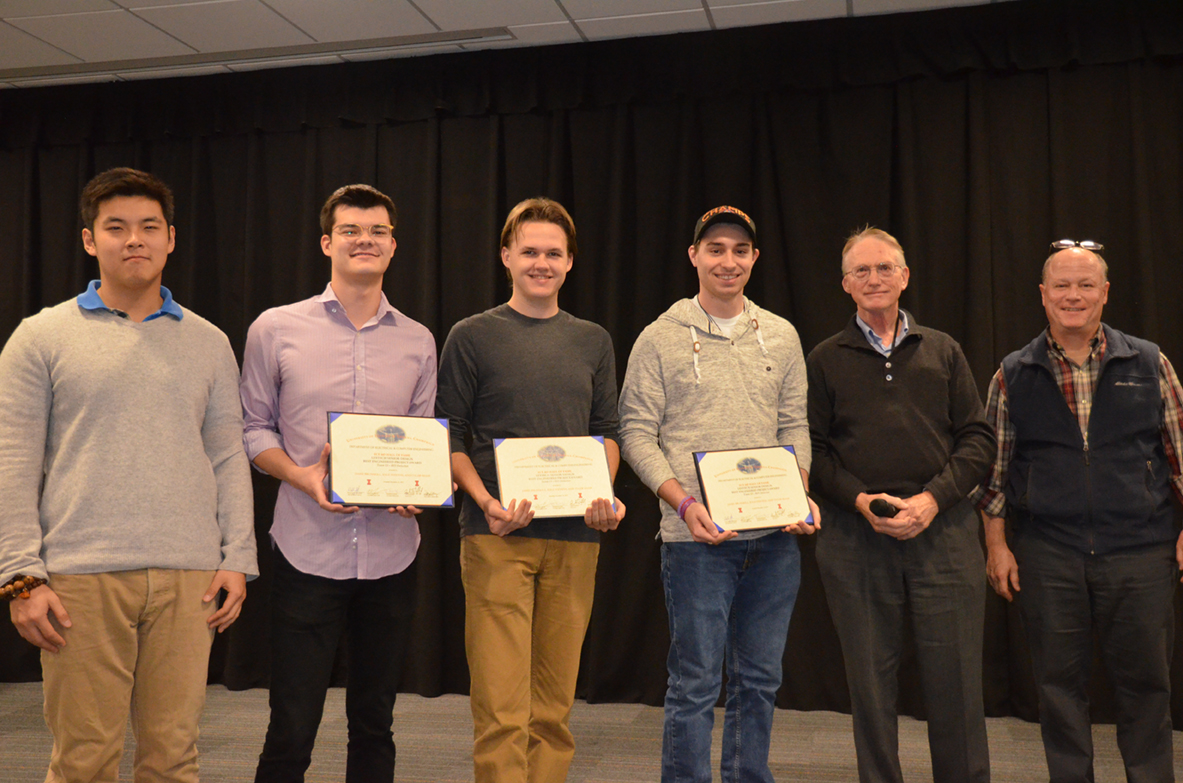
(750, 489)
(559, 476)
(384, 461)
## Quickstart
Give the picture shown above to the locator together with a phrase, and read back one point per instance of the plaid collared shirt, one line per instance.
(1077, 383)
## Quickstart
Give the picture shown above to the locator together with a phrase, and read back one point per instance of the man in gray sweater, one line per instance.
(716, 372)
(129, 498)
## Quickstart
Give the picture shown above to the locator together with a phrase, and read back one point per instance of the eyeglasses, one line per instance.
(886, 271)
(378, 231)
(1084, 244)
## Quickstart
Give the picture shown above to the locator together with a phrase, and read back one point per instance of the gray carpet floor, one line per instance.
(615, 743)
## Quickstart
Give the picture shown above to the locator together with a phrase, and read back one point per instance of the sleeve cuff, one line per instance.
(240, 562)
(258, 441)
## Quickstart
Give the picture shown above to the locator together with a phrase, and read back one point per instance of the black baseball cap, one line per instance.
(725, 214)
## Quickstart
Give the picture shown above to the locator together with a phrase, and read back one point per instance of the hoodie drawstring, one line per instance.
(759, 336)
(697, 345)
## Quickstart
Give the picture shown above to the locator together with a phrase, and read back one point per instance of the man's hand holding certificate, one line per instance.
(751, 489)
(558, 477)
(388, 461)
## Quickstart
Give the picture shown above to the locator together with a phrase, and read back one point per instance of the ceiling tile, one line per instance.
(49, 33)
(226, 25)
(347, 20)
(474, 14)
(862, 7)
(538, 34)
(100, 36)
(645, 24)
(10, 8)
(18, 49)
(598, 9)
(749, 13)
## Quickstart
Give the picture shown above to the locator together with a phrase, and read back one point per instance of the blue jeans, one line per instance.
(730, 604)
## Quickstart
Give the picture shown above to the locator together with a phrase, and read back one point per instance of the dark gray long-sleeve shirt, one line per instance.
(506, 375)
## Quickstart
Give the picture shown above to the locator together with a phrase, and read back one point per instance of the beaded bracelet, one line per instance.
(19, 587)
(686, 503)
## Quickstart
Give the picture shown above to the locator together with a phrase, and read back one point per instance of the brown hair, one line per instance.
(117, 182)
(360, 196)
(539, 210)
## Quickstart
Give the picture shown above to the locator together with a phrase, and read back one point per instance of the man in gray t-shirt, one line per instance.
(526, 369)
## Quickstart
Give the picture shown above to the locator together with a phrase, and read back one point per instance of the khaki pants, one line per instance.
(528, 602)
(139, 645)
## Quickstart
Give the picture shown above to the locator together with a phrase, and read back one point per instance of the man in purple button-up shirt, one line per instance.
(337, 569)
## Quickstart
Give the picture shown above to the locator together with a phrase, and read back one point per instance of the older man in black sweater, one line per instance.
(899, 440)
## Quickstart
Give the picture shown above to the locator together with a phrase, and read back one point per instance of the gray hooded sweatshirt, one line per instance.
(743, 391)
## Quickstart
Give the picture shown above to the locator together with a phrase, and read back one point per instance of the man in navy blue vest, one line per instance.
(1088, 422)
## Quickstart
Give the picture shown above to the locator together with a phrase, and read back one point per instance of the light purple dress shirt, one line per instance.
(303, 360)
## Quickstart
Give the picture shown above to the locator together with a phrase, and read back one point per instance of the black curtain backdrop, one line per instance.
(976, 135)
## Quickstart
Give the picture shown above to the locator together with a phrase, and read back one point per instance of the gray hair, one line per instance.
(870, 232)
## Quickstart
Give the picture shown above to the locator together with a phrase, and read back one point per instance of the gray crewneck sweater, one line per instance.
(121, 446)
(745, 391)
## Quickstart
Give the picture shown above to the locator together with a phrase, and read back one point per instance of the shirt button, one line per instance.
(889, 376)
(333, 309)
(888, 365)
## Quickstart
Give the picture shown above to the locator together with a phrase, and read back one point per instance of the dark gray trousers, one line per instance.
(938, 580)
(1127, 597)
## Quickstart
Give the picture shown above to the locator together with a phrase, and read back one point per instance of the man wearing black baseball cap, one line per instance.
(725, 214)
(724, 591)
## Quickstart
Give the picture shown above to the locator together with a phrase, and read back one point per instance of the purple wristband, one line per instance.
(686, 503)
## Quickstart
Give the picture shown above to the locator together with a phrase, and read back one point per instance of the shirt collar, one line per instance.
(329, 297)
(873, 338)
(1096, 345)
(90, 300)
